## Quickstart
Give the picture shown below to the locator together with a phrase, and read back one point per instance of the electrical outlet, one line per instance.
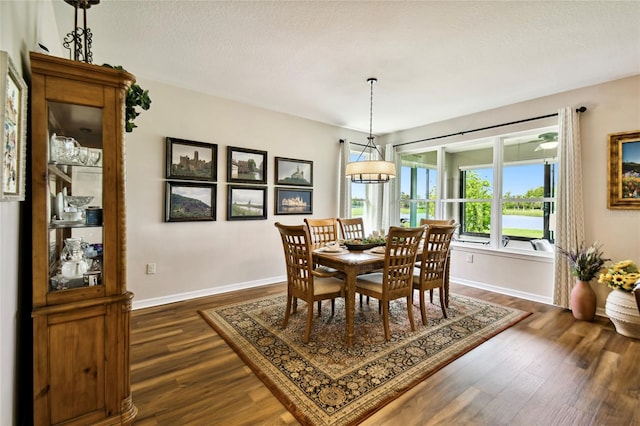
(469, 258)
(151, 268)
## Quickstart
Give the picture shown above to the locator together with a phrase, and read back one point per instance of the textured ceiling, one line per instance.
(434, 60)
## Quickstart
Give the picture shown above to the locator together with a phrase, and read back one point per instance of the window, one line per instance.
(501, 190)
(476, 187)
(359, 200)
(366, 199)
(529, 176)
(418, 183)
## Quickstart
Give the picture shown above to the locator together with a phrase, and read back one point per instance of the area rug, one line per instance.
(325, 382)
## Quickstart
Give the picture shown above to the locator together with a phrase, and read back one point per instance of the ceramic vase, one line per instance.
(622, 310)
(583, 301)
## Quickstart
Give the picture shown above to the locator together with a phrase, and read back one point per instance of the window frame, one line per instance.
(454, 204)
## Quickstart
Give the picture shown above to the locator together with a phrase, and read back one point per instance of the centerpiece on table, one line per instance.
(358, 244)
(621, 306)
(586, 263)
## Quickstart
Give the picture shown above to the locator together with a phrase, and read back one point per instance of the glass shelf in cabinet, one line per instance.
(62, 224)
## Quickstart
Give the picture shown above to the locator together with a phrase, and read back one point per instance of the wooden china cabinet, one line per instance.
(81, 306)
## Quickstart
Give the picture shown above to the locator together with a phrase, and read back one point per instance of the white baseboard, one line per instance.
(502, 290)
(172, 298)
(148, 303)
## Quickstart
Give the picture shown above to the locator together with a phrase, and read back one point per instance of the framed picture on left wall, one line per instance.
(191, 160)
(190, 201)
(246, 202)
(13, 115)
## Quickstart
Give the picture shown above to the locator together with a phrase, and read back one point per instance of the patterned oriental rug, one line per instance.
(326, 383)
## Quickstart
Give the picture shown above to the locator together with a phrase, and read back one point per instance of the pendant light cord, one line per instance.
(371, 81)
(370, 144)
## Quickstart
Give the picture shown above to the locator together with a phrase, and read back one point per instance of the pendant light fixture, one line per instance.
(370, 171)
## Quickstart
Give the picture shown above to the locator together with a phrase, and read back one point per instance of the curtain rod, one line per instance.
(353, 143)
(581, 109)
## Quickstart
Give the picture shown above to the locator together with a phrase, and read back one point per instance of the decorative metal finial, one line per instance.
(81, 37)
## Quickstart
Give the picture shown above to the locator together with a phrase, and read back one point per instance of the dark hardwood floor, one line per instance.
(549, 369)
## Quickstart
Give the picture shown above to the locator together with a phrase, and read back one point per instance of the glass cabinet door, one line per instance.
(75, 207)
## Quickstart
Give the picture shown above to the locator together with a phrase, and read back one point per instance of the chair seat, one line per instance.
(371, 282)
(327, 286)
(417, 275)
(325, 270)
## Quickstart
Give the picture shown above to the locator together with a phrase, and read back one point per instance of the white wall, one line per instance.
(612, 107)
(200, 258)
(22, 25)
(195, 259)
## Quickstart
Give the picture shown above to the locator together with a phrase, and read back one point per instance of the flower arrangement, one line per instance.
(585, 262)
(622, 275)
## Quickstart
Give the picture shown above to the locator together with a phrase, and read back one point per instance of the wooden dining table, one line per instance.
(354, 263)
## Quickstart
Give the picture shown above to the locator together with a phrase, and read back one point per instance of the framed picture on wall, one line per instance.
(293, 172)
(13, 115)
(191, 160)
(190, 201)
(246, 202)
(624, 170)
(246, 165)
(293, 201)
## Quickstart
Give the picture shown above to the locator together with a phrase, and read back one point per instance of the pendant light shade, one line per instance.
(370, 171)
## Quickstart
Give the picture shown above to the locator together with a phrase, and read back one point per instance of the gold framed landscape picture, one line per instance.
(624, 170)
(13, 115)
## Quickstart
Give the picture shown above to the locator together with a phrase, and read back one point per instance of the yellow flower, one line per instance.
(622, 275)
(604, 278)
(624, 263)
(632, 278)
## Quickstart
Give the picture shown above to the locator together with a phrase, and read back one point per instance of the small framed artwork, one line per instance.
(191, 160)
(190, 201)
(294, 201)
(246, 165)
(246, 202)
(294, 172)
(13, 115)
(624, 170)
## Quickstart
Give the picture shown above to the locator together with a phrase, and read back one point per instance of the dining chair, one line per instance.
(322, 231)
(428, 222)
(303, 281)
(351, 228)
(396, 279)
(432, 272)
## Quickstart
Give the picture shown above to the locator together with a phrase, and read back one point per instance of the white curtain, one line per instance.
(379, 197)
(344, 184)
(387, 204)
(570, 216)
(372, 217)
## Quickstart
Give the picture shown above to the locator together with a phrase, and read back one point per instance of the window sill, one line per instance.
(510, 252)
